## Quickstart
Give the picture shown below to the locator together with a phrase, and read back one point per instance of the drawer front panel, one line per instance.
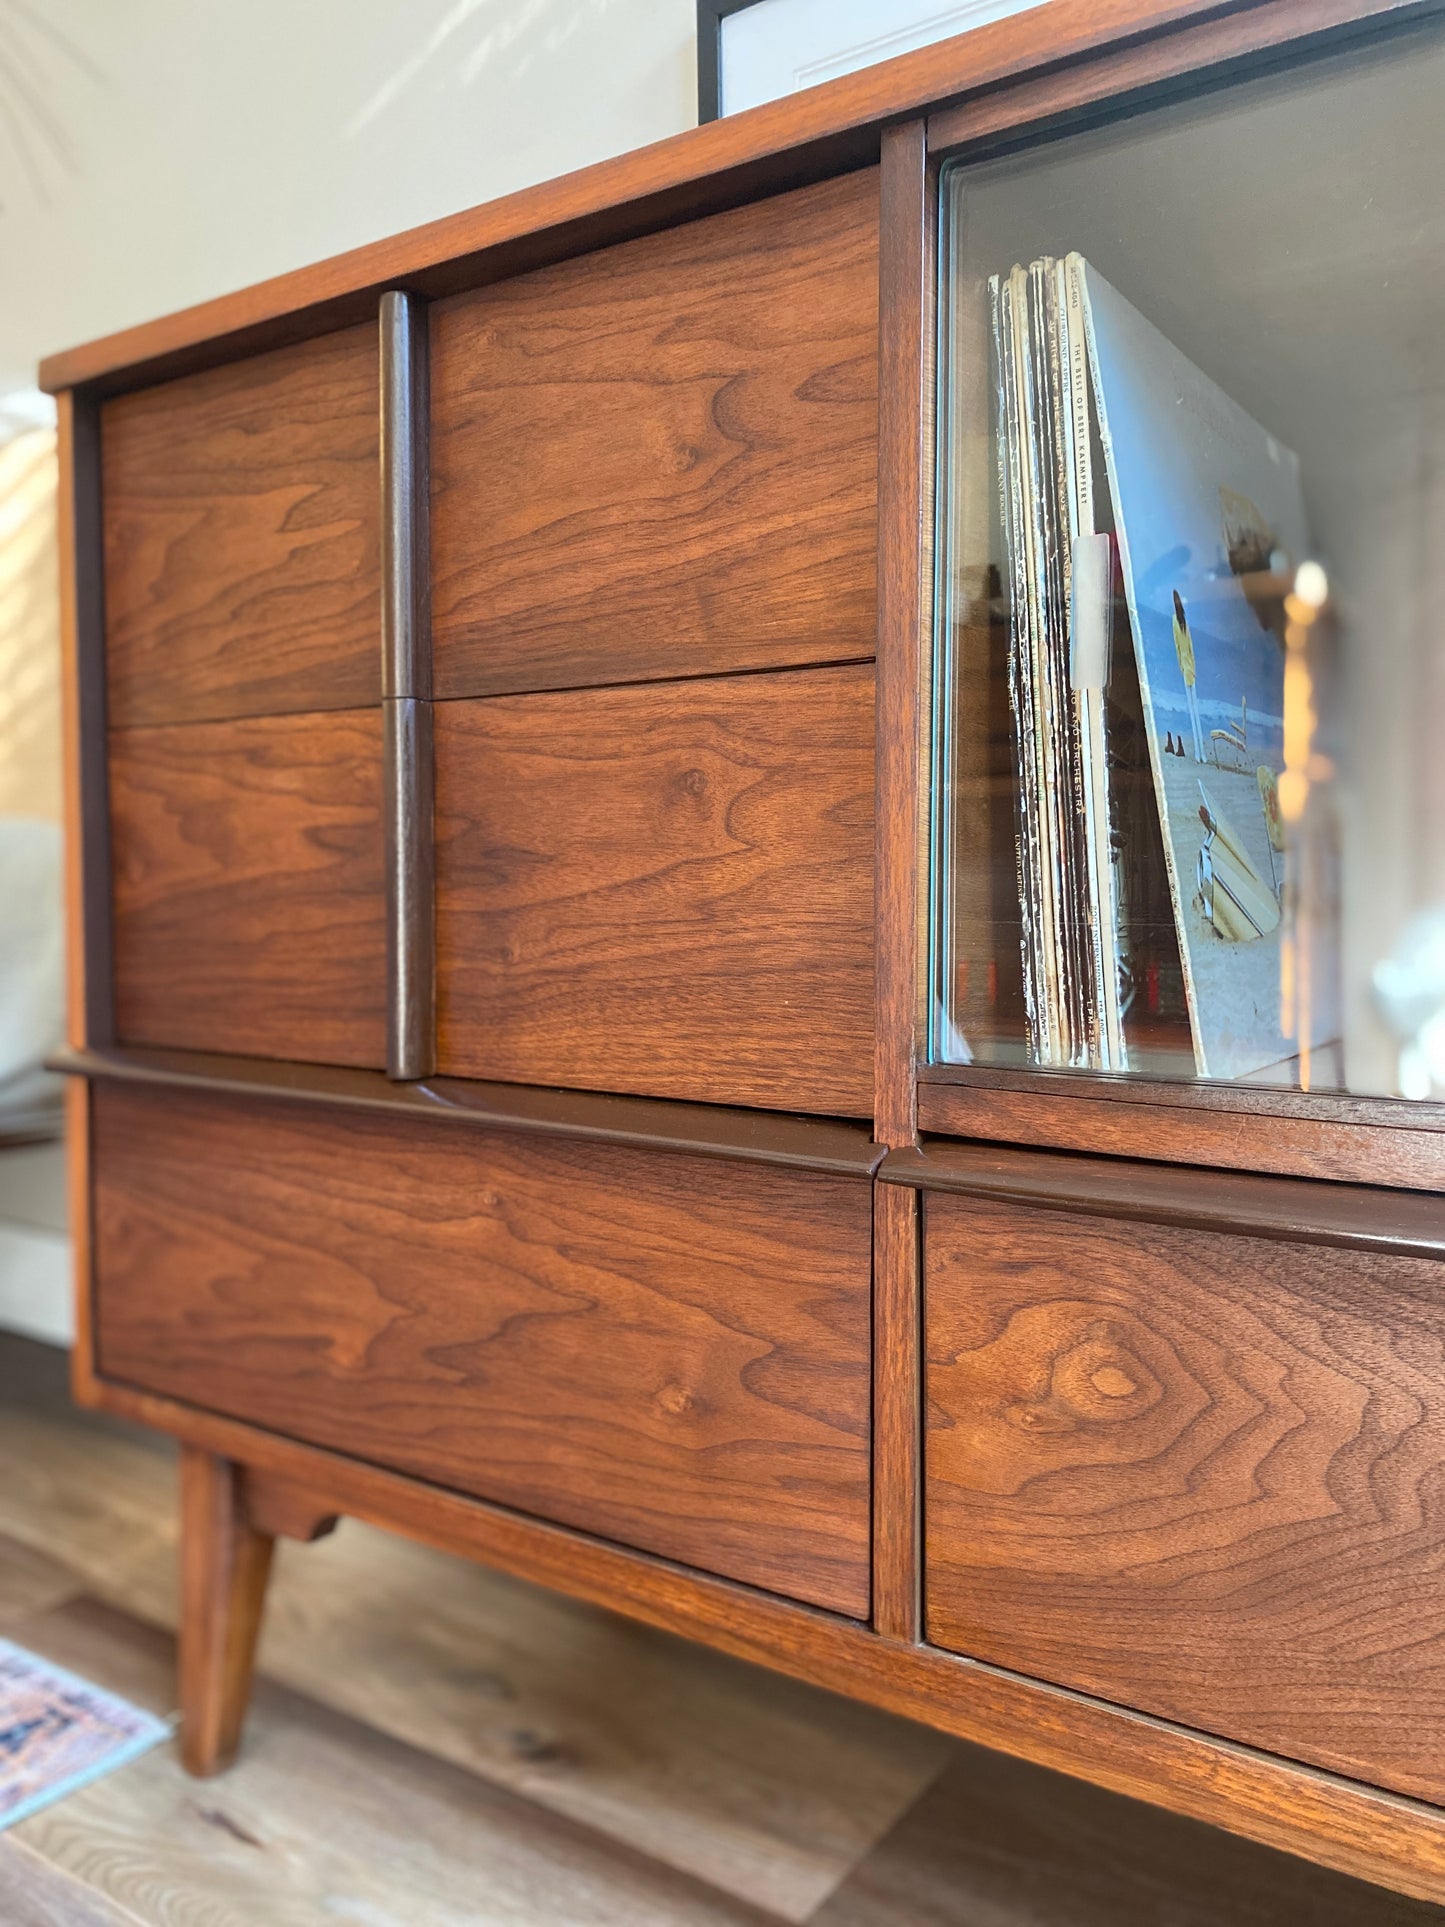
(669, 1351)
(665, 889)
(249, 891)
(241, 511)
(660, 459)
(1202, 1475)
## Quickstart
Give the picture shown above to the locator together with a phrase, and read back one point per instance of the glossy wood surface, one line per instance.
(667, 1351)
(665, 889)
(1195, 1474)
(249, 889)
(659, 460)
(242, 537)
(1172, 1126)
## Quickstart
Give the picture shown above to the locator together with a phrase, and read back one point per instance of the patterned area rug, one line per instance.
(58, 1732)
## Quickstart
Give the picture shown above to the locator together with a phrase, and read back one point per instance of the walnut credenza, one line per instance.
(498, 686)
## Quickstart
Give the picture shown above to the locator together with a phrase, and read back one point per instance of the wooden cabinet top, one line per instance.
(1026, 68)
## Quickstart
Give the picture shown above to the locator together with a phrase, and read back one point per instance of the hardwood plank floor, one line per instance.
(768, 1789)
(326, 1819)
(30, 1581)
(999, 1843)
(434, 1744)
(34, 1893)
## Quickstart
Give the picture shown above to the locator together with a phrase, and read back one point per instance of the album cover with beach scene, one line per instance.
(1210, 523)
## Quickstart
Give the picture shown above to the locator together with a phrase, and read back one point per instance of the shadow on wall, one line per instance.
(503, 40)
(559, 82)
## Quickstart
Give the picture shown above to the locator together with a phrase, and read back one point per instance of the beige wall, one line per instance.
(29, 629)
(34, 1260)
(205, 144)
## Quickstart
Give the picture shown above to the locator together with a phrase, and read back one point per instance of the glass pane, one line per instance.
(1189, 780)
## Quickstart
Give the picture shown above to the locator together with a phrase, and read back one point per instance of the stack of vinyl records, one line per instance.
(1150, 528)
(1061, 595)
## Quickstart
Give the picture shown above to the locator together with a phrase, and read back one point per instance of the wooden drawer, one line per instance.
(670, 1351)
(660, 459)
(665, 889)
(1196, 1473)
(241, 516)
(249, 911)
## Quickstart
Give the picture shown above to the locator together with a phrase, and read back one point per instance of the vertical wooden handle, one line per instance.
(410, 916)
(406, 689)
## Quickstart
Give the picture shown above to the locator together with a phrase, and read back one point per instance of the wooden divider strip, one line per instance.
(406, 686)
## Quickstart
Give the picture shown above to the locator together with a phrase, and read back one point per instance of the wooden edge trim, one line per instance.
(825, 129)
(1359, 1830)
(826, 1145)
(1286, 1146)
(1404, 1224)
(406, 688)
(405, 563)
(905, 494)
(897, 1415)
(90, 1001)
(1142, 1093)
(408, 787)
(78, 1210)
(1202, 52)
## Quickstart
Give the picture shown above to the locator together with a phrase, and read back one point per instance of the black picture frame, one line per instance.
(710, 16)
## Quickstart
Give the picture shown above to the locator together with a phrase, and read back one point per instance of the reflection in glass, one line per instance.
(1189, 691)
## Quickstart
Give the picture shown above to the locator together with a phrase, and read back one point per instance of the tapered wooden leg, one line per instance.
(225, 1563)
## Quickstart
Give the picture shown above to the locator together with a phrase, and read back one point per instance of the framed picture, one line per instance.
(749, 51)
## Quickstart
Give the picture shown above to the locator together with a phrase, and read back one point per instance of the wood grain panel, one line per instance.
(665, 889)
(249, 897)
(242, 558)
(666, 1351)
(1200, 1475)
(661, 459)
